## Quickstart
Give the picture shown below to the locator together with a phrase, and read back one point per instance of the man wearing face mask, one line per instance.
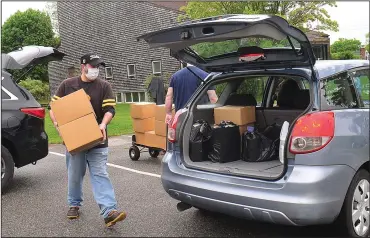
(103, 102)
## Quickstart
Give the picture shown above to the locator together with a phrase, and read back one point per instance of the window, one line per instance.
(108, 72)
(119, 98)
(361, 83)
(131, 70)
(4, 95)
(157, 67)
(135, 97)
(338, 92)
(254, 86)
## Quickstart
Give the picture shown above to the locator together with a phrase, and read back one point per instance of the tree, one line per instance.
(303, 15)
(345, 49)
(367, 42)
(31, 27)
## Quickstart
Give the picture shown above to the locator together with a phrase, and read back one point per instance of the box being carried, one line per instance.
(77, 122)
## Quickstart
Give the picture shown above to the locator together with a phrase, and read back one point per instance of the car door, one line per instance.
(340, 95)
(186, 39)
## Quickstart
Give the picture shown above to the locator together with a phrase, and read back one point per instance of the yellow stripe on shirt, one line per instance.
(109, 104)
(109, 100)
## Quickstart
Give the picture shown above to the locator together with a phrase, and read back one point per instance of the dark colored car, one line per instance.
(23, 137)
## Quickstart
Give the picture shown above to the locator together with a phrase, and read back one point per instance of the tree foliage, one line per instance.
(367, 42)
(345, 49)
(303, 15)
(31, 27)
(40, 90)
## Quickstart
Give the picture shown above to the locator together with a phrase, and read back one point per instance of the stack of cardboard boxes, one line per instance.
(77, 122)
(149, 124)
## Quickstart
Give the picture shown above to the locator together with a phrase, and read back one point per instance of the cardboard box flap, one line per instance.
(72, 107)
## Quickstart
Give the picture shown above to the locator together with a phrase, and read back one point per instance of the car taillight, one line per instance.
(312, 132)
(171, 135)
(36, 112)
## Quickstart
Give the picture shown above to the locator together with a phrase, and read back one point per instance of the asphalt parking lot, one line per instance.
(35, 205)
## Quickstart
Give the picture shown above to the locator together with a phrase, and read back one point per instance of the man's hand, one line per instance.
(56, 127)
(102, 127)
(168, 118)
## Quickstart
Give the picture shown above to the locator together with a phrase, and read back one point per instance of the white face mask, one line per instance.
(92, 73)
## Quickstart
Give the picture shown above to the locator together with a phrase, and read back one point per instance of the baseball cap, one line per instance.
(92, 59)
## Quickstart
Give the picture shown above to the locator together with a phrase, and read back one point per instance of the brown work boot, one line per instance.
(73, 212)
(114, 217)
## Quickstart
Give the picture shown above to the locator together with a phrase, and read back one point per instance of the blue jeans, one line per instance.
(96, 160)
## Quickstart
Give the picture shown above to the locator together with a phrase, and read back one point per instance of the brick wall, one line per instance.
(109, 29)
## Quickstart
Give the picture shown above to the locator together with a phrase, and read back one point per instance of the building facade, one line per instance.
(110, 29)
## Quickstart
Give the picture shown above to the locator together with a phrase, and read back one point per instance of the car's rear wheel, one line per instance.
(7, 168)
(356, 210)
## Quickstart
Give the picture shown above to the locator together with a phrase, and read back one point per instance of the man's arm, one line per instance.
(168, 105)
(212, 96)
(58, 94)
(108, 106)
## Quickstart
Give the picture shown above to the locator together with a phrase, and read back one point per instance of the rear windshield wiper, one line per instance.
(190, 50)
(22, 76)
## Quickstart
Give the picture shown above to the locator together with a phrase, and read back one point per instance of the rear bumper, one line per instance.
(307, 195)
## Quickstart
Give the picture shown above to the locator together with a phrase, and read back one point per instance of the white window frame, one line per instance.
(132, 97)
(160, 66)
(122, 97)
(128, 71)
(106, 75)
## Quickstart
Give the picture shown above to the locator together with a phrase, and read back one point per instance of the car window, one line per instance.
(338, 92)
(254, 86)
(4, 95)
(361, 83)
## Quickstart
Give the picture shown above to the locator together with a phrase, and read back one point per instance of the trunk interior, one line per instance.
(280, 108)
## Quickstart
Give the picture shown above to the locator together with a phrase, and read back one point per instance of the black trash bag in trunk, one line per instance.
(200, 134)
(260, 147)
(225, 143)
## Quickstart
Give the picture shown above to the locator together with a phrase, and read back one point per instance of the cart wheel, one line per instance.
(134, 153)
(153, 153)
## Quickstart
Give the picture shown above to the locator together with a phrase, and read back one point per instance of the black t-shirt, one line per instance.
(99, 91)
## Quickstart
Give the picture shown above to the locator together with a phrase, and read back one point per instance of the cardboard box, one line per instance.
(156, 141)
(140, 138)
(81, 134)
(77, 122)
(142, 110)
(236, 114)
(160, 112)
(143, 125)
(160, 128)
(71, 107)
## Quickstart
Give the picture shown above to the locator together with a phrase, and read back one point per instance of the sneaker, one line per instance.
(114, 217)
(73, 212)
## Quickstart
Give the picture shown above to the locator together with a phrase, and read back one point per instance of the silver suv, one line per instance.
(322, 173)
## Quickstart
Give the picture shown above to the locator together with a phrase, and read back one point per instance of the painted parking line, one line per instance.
(119, 167)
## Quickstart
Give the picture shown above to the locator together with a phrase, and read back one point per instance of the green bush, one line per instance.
(37, 88)
(345, 55)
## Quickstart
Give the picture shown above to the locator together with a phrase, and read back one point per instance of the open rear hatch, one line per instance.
(188, 43)
(30, 55)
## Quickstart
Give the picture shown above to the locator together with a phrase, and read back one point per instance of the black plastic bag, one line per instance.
(200, 135)
(224, 143)
(258, 148)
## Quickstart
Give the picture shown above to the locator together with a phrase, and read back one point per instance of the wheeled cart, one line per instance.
(134, 151)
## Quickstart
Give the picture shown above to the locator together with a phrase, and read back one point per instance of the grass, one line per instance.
(120, 125)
